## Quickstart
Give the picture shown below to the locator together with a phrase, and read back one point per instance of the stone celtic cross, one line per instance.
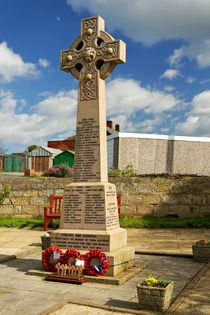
(91, 58)
(89, 217)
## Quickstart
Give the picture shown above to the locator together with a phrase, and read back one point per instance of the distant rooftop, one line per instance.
(158, 137)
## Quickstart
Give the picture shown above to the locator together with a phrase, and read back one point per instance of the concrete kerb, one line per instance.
(139, 252)
(22, 254)
(4, 258)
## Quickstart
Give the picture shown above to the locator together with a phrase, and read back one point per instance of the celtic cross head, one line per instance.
(93, 54)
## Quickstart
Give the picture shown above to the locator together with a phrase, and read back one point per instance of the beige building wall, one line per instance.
(156, 154)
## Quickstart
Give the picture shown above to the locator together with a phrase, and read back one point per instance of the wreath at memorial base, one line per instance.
(65, 258)
(49, 254)
(96, 270)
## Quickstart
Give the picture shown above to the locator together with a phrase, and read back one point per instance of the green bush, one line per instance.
(64, 172)
(4, 194)
(127, 172)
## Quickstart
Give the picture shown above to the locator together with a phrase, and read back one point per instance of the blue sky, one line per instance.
(164, 87)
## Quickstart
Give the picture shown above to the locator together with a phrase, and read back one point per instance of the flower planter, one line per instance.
(201, 253)
(154, 298)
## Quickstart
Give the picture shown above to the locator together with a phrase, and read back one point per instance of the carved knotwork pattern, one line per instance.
(89, 24)
(66, 61)
(104, 52)
(88, 88)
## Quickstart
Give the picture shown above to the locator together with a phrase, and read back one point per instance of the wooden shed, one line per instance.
(14, 162)
(65, 157)
(41, 158)
(1, 162)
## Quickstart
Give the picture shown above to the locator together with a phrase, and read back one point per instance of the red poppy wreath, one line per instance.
(99, 269)
(65, 258)
(48, 253)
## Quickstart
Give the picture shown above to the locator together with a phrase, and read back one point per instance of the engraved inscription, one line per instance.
(87, 151)
(91, 199)
(112, 219)
(72, 208)
(81, 241)
(94, 206)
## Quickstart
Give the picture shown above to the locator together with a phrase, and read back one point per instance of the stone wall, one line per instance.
(160, 196)
(29, 195)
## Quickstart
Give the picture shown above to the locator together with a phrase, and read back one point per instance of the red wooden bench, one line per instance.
(53, 211)
(118, 204)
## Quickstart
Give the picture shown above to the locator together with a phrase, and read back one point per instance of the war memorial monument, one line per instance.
(89, 218)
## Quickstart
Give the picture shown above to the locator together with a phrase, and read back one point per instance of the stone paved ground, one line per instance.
(80, 309)
(24, 294)
(197, 301)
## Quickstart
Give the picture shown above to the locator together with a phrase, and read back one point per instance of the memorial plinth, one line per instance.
(89, 218)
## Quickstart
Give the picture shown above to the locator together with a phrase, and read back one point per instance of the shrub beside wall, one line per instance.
(179, 196)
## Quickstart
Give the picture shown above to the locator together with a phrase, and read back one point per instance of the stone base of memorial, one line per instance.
(90, 220)
(112, 243)
(201, 253)
(153, 298)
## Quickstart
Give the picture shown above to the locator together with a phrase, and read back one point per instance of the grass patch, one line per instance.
(23, 222)
(146, 222)
(154, 222)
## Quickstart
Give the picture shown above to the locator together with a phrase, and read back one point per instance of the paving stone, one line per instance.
(19, 289)
(80, 309)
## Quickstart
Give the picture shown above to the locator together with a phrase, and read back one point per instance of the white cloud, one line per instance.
(43, 62)
(58, 18)
(53, 115)
(170, 74)
(152, 21)
(201, 103)
(198, 120)
(198, 50)
(169, 88)
(205, 81)
(148, 125)
(126, 97)
(12, 65)
(191, 80)
(165, 130)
